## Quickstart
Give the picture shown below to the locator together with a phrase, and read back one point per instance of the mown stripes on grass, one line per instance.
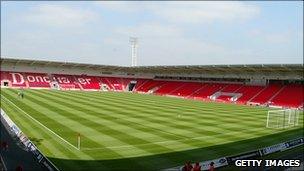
(191, 130)
(123, 125)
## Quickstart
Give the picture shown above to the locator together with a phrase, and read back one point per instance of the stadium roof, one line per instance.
(285, 69)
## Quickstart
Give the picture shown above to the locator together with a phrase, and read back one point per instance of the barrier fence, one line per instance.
(230, 160)
(16, 131)
(219, 162)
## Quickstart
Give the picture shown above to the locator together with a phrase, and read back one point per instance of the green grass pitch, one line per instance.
(125, 131)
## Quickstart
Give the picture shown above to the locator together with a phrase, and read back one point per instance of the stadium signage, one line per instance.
(84, 80)
(27, 143)
(274, 148)
(18, 79)
(242, 159)
(16, 130)
(294, 143)
(282, 146)
(31, 78)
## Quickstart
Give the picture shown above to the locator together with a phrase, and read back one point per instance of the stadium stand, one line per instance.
(140, 82)
(248, 92)
(88, 82)
(150, 85)
(38, 80)
(208, 90)
(232, 87)
(113, 83)
(273, 94)
(169, 87)
(186, 90)
(13, 79)
(290, 96)
(65, 81)
(224, 98)
(270, 91)
(266, 94)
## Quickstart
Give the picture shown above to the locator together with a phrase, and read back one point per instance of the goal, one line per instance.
(282, 118)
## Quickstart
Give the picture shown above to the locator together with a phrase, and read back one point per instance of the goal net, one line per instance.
(282, 118)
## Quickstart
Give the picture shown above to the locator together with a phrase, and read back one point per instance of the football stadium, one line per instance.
(76, 115)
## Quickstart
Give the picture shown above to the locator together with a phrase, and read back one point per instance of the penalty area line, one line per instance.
(39, 123)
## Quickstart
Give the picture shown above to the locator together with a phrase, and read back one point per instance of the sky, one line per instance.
(168, 32)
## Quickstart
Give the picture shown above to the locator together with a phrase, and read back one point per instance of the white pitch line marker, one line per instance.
(39, 123)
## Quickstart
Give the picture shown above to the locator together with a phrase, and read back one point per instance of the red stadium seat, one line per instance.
(248, 92)
(88, 82)
(290, 96)
(187, 89)
(274, 94)
(266, 94)
(208, 90)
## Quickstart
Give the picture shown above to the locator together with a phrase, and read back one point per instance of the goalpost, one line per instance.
(282, 118)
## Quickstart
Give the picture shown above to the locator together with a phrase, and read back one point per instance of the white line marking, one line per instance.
(39, 123)
(162, 142)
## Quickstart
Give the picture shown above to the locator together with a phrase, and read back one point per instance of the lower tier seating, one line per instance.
(274, 94)
(290, 96)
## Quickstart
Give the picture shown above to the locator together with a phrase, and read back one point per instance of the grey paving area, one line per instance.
(16, 155)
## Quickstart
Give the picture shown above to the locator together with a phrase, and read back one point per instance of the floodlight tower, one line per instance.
(134, 45)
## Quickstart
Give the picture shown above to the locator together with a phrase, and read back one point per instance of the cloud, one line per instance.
(205, 12)
(170, 33)
(122, 6)
(161, 41)
(272, 37)
(189, 12)
(59, 16)
(284, 37)
(150, 30)
(166, 45)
